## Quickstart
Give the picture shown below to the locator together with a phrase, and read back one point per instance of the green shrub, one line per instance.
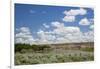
(87, 49)
(26, 47)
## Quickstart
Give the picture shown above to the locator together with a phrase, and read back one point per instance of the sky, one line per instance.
(42, 24)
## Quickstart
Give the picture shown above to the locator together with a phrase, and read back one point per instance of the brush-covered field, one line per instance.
(42, 54)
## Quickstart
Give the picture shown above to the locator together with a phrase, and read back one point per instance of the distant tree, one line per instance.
(26, 47)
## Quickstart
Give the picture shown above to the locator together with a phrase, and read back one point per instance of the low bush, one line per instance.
(31, 48)
(87, 49)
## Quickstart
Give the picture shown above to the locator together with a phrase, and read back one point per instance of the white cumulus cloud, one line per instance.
(57, 24)
(74, 12)
(84, 21)
(70, 15)
(24, 36)
(59, 34)
(64, 34)
(92, 27)
(69, 18)
(88, 36)
(45, 25)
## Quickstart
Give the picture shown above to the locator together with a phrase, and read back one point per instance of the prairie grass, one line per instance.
(28, 55)
(42, 58)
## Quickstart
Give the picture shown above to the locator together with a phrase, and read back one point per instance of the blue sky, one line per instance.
(34, 16)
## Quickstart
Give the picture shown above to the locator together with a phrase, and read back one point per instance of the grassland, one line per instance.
(42, 54)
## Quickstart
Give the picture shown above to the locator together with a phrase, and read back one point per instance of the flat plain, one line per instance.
(26, 54)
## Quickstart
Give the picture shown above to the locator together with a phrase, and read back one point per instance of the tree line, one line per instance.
(19, 47)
